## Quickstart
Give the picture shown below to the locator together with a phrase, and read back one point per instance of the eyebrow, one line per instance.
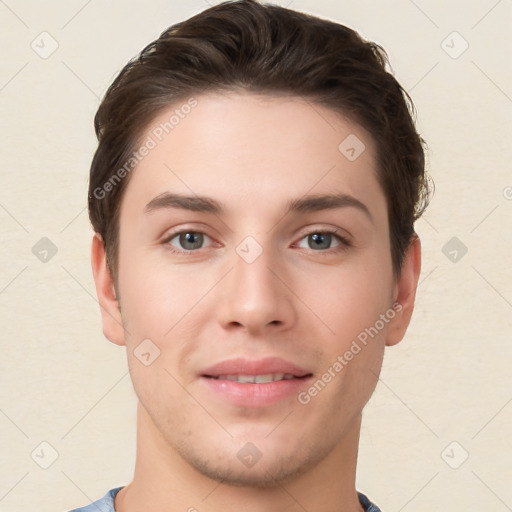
(307, 204)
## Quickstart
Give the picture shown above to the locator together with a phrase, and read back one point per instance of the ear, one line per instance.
(405, 292)
(110, 311)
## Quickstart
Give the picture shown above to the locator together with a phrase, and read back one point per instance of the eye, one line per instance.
(323, 240)
(188, 239)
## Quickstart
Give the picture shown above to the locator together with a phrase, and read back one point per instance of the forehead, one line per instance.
(253, 151)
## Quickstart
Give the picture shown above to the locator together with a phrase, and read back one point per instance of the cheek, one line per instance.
(352, 308)
(161, 303)
(353, 300)
(157, 295)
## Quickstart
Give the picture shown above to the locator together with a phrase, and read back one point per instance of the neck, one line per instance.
(164, 481)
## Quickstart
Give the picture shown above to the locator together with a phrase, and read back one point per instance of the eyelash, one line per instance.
(343, 246)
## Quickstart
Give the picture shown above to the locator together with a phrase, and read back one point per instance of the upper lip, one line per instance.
(241, 366)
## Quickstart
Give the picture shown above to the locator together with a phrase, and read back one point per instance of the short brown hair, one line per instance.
(262, 48)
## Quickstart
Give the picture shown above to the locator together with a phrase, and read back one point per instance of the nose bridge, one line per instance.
(253, 295)
(252, 273)
(253, 262)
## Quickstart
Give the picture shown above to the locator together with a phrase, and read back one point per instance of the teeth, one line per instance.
(268, 378)
(257, 379)
(245, 378)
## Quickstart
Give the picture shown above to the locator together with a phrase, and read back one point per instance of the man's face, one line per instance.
(253, 282)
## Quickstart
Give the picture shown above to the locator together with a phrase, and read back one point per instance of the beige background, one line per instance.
(449, 381)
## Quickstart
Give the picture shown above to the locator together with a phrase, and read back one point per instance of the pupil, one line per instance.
(321, 238)
(188, 238)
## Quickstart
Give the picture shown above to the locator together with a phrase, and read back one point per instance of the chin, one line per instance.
(258, 465)
(266, 476)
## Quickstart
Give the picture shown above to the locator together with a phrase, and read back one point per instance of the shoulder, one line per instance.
(104, 504)
(367, 504)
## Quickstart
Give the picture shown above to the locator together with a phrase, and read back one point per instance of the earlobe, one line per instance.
(109, 305)
(405, 292)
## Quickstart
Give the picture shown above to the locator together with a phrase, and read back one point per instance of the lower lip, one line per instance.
(256, 395)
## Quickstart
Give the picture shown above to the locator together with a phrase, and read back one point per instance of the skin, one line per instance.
(295, 301)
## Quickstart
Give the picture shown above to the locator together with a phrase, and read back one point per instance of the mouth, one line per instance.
(268, 369)
(258, 379)
(255, 383)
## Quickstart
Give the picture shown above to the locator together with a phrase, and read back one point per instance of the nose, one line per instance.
(255, 295)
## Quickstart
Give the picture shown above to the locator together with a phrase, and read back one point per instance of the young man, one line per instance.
(253, 197)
